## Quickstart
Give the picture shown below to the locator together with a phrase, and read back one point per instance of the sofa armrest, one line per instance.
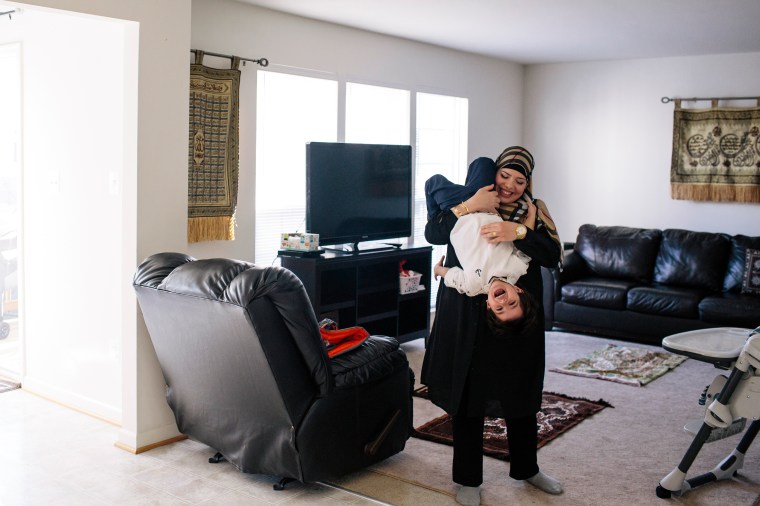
(550, 278)
(574, 267)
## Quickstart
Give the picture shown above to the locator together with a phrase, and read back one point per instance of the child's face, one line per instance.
(504, 301)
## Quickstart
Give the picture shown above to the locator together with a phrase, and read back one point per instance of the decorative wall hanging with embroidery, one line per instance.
(716, 154)
(213, 155)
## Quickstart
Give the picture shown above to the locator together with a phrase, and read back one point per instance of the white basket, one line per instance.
(409, 284)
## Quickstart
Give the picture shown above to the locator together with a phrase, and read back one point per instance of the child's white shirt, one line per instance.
(481, 261)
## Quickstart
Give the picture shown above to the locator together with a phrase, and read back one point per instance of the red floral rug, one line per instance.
(559, 413)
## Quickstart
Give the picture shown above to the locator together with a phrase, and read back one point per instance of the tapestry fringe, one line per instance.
(214, 228)
(712, 192)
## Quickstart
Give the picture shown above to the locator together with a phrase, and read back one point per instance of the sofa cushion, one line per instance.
(597, 292)
(692, 259)
(736, 261)
(619, 252)
(751, 279)
(665, 301)
(731, 309)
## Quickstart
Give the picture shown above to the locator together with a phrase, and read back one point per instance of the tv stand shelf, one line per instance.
(362, 289)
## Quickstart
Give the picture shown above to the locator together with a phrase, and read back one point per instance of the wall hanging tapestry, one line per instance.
(213, 155)
(716, 154)
(559, 413)
(623, 364)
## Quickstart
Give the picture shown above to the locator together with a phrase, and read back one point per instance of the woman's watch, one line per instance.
(520, 232)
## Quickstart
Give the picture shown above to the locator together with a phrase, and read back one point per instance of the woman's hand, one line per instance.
(439, 269)
(530, 218)
(485, 200)
(500, 231)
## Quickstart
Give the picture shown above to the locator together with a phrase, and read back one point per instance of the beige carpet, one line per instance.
(616, 457)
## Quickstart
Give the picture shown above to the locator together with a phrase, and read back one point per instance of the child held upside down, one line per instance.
(487, 268)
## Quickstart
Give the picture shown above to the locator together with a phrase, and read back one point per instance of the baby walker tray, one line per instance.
(719, 346)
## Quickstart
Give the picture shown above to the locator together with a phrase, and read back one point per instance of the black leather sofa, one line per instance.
(247, 374)
(644, 284)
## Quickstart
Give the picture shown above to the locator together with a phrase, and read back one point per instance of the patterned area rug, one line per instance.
(623, 364)
(7, 386)
(559, 413)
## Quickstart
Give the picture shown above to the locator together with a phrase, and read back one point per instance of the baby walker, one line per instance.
(730, 401)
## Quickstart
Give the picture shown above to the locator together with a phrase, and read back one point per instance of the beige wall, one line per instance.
(603, 140)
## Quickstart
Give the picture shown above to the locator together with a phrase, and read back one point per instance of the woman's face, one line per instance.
(510, 185)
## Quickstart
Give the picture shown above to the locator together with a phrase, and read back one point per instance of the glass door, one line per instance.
(10, 184)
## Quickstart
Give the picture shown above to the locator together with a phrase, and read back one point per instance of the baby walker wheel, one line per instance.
(663, 493)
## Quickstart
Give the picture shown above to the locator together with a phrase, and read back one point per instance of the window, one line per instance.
(376, 115)
(441, 149)
(10, 207)
(294, 110)
(291, 111)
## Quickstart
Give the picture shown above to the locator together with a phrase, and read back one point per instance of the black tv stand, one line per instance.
(354, 249)
(362, 289)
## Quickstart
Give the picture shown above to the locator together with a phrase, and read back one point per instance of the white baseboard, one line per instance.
(73, 400)
(134, 443)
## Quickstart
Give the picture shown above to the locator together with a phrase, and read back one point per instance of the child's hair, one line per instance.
(515, 327)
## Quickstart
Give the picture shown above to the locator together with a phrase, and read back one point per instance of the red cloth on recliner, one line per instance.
(343, 340)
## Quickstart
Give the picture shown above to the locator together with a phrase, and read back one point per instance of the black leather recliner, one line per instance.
(247, 373)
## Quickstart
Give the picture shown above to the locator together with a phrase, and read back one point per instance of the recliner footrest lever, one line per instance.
(372, 447)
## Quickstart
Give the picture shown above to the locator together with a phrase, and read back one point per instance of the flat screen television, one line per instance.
(358, 192)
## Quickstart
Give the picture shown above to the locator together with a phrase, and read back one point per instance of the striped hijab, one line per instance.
(521, 160)
(518, 211)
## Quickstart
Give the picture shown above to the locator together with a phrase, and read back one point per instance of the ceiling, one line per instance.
(551, 31)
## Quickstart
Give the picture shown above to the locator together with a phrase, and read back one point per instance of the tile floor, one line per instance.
(52, 455)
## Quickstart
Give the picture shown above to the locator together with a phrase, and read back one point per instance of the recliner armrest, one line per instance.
(375, 358)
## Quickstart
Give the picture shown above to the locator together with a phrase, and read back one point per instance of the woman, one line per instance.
(470, 373)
